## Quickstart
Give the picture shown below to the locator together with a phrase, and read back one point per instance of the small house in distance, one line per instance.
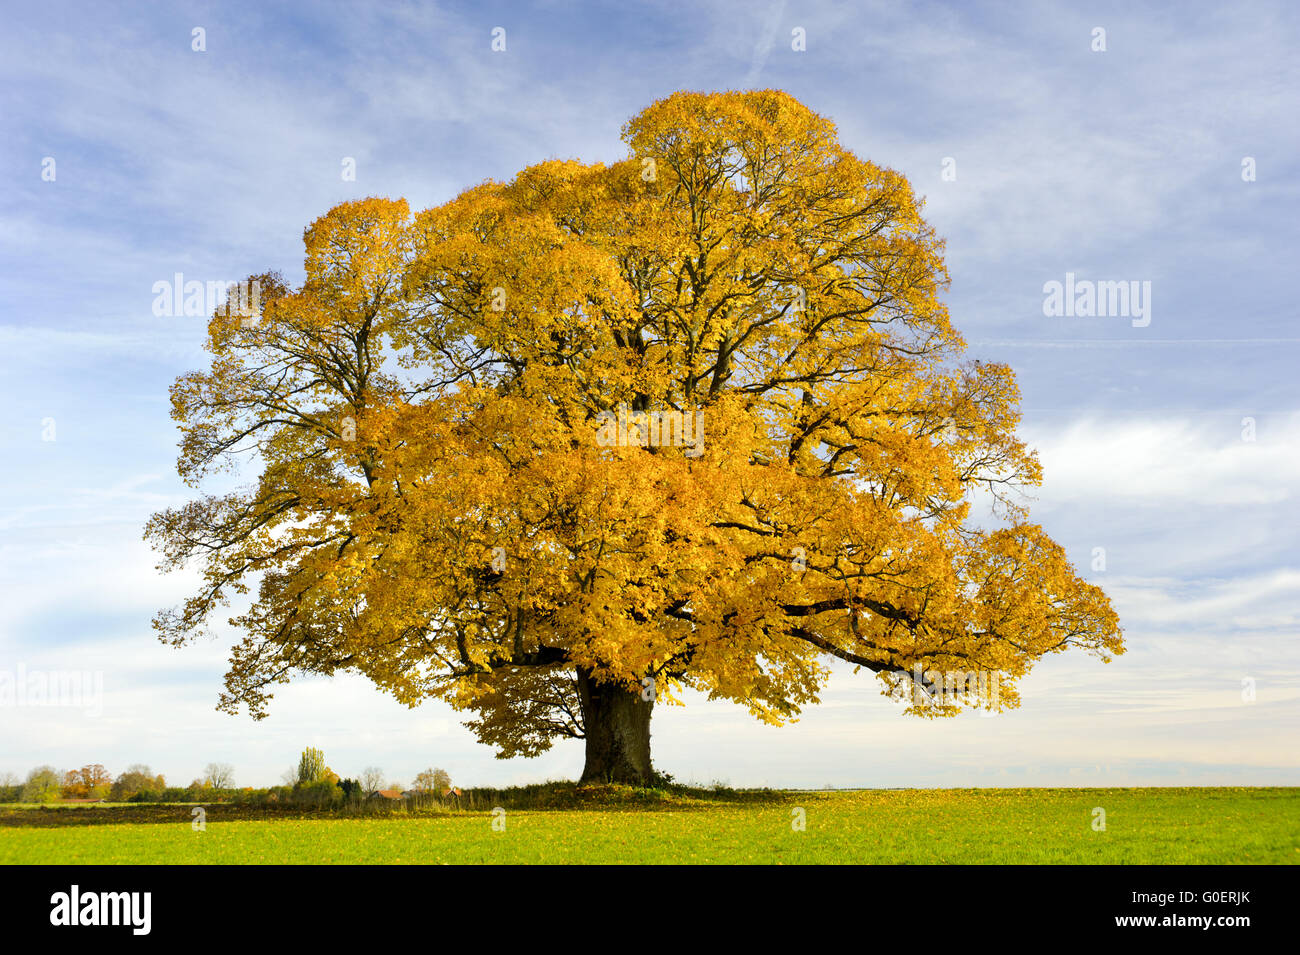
(387, 794)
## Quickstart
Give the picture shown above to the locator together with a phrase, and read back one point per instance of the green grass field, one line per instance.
(1219, 825)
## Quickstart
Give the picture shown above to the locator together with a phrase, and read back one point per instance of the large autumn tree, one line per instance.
(567, 445)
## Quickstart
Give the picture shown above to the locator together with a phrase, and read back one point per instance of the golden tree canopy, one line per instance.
(695, 419)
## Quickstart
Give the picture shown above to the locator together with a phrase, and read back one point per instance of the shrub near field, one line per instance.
(621, 825)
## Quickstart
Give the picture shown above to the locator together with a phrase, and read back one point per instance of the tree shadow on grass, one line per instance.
(613, 797)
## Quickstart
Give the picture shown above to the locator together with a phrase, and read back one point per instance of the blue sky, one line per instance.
(1117, 165)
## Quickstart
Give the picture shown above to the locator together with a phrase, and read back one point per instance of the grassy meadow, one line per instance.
(569, 824)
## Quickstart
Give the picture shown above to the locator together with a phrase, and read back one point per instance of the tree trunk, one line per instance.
(617, 724)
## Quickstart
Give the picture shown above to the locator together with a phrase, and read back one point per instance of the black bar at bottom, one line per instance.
(1219, 904)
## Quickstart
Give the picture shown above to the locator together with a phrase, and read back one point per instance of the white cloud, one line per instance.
(1169, 462)
(1266, 601)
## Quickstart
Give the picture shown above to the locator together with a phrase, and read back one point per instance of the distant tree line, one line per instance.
(311, 782)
